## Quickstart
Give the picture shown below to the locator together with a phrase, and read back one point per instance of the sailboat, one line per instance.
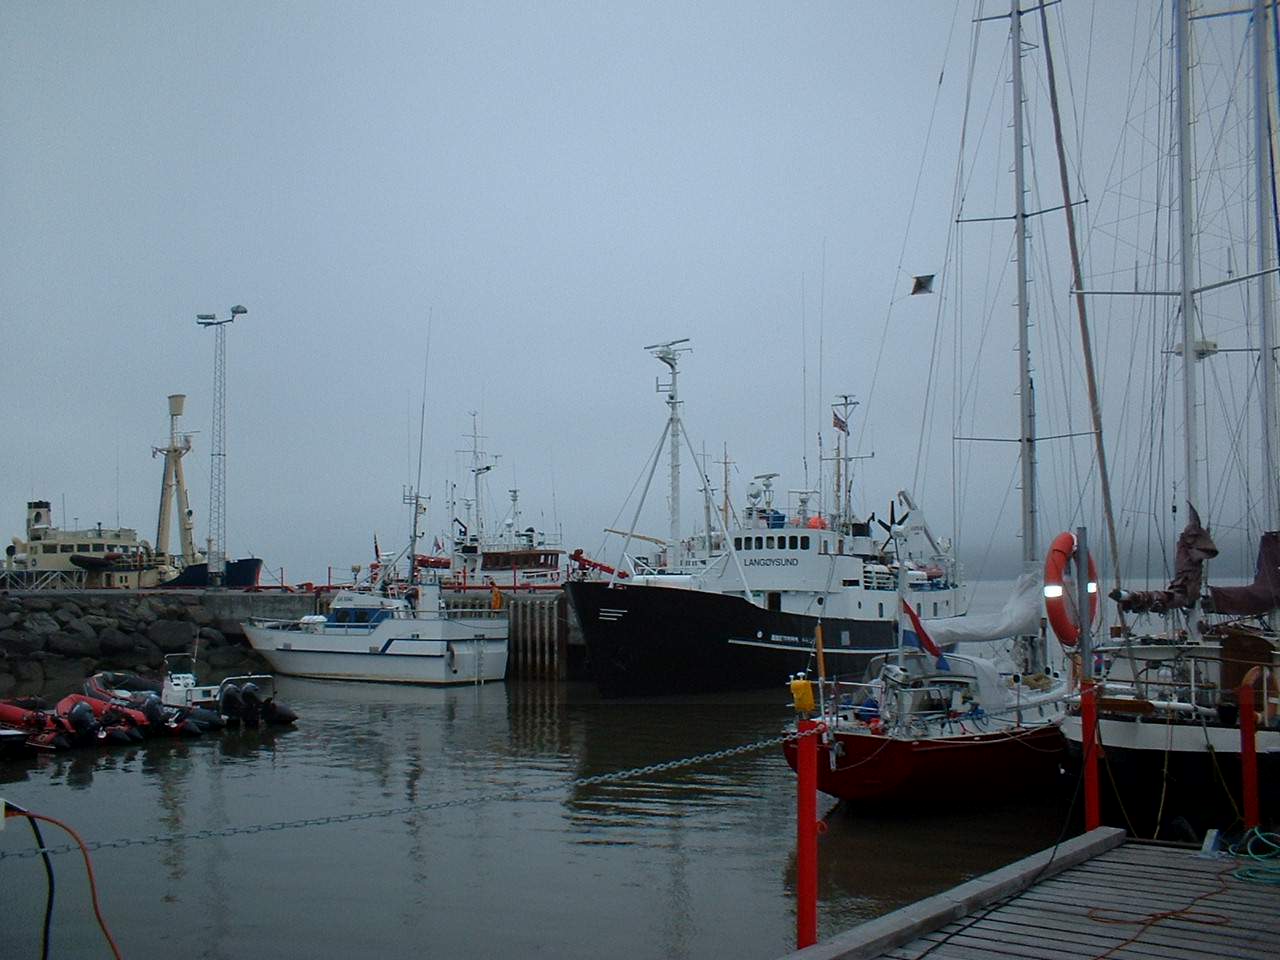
(924, 718)
(1168, 684)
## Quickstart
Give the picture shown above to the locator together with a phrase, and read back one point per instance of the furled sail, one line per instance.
(1019, 617)
(1261, 596)
(1195, 546)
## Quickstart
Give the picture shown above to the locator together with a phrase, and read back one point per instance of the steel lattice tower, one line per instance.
(217, 553)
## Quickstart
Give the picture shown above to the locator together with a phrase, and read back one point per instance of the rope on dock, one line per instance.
(1263, 851)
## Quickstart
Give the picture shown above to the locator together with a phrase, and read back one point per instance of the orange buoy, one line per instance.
(1066, 627)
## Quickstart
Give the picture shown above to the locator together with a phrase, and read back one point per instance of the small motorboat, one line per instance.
(43, 730)
(182, 703)
(94, 721)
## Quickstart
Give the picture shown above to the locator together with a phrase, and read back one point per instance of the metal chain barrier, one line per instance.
(598, 779)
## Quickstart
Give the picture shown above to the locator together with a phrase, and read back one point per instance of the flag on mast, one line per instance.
(839, 423)
(917, 637)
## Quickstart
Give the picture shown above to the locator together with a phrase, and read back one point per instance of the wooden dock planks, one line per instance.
(1098, 897)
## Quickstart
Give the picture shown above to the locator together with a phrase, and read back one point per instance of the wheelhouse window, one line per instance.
(737, 543)
(804, 543)
(759, 543)
(768, 542)
(794, 541)
(49, 548)
(67, 548)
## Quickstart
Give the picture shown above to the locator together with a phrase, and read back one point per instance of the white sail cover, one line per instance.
(1020, 617)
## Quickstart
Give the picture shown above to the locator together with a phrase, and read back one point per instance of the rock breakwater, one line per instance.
(51, 641)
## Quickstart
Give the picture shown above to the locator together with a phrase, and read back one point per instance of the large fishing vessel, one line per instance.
(741, 606)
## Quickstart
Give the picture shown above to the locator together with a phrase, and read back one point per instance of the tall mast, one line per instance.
(1181, 47)
(1026, 390)
(669, 353)
(1262, 206)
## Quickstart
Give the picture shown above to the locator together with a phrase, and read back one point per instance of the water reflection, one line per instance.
(676, 863)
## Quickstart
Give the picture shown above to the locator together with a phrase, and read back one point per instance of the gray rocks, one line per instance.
(41, 623)
(19, 643)
(114, 642)
(67, 612)
(73, 644)
(51, 640)
(172, 636)
(212, 637)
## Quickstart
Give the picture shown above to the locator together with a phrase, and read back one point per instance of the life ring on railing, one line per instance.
(1269, 696)
(1065, 626)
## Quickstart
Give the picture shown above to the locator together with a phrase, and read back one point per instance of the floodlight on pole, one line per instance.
(217, 555)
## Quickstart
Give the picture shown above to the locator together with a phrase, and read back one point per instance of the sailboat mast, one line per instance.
(1182, 44)
(1026, 391)
(1266, 319)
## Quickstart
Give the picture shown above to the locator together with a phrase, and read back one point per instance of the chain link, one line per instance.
(340, 818)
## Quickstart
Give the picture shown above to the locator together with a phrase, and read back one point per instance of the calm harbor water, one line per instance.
(509, 859)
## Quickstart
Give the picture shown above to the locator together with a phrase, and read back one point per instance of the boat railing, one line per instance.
(474, 613)
(840, 697)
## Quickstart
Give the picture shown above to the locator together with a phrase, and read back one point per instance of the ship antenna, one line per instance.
(414, 497)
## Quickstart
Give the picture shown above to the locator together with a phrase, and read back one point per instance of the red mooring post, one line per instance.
(1248, 753)
(806, 833)
(1089, 753)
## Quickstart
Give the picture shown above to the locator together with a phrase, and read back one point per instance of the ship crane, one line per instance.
(175, 485)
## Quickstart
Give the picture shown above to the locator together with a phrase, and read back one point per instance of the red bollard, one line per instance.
(807, 833)
(1089, 753)
(1249, 752)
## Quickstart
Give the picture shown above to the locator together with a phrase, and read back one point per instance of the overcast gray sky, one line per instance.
(556, 185)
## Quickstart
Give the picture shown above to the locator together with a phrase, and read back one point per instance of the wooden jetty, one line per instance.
(1094, 896)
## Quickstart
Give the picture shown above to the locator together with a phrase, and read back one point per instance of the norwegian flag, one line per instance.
(839, 423)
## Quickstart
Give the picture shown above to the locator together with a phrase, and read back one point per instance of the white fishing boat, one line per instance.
(369, 635)
(393, 631)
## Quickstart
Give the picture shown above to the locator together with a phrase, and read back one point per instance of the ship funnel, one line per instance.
(176, 400)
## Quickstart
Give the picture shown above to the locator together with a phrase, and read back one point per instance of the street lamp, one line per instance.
(217, 555)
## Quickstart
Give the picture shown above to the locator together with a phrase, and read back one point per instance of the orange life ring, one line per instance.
(1065, 627)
